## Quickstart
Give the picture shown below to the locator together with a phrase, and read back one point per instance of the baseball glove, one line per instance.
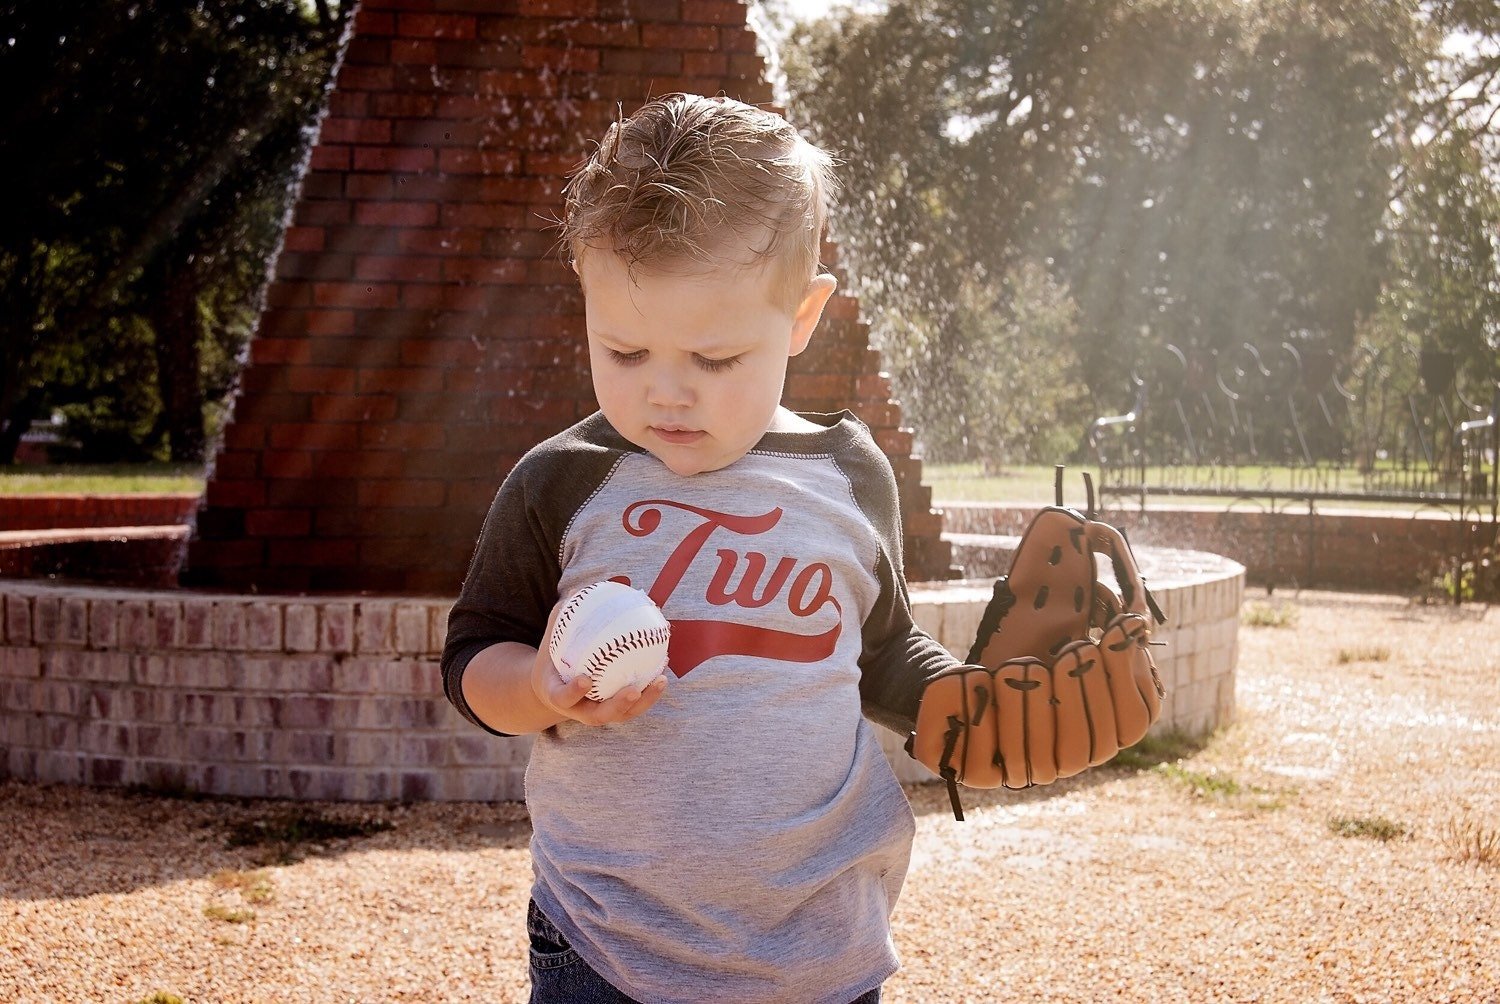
(1060, 677)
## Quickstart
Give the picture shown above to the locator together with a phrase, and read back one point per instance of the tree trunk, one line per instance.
(17, 422)
(20, 345)
(174, 315)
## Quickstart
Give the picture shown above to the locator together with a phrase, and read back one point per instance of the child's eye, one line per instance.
(718, 365)
(627, 358)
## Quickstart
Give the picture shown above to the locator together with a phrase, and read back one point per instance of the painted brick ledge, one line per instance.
(340, 698)
(296, 697)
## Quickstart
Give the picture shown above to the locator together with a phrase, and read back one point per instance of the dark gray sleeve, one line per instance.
(511, 585)
(898, 657)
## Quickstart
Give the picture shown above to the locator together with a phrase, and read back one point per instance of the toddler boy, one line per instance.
(732, 831)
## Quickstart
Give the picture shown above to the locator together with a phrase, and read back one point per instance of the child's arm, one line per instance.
(514, 688)
(492, 669)
(897, 657)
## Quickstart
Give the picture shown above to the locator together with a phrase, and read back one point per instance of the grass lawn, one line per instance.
(1029, 483)
(99, 479)
(1032, 485)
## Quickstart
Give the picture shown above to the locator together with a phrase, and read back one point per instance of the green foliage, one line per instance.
(287, 834)
(1010, 391)
(108, 394)
(150, 148)
(1268, 615)
(970, 482)
(1203, 784)
(1369, 827)
(1363, 653)
(1444, 294)
(1219, 787)
(108, 479)
(253, 886)
(229, 914)
(1155, 750)
(1207, 174)
(1467, 578)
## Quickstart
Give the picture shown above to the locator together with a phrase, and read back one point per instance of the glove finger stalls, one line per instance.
(957, 727)
(1143, 666)
(1108, 540)
(943, 697)
(980, 769)
(1028, 734)
(1086, 734)
(1128, 666)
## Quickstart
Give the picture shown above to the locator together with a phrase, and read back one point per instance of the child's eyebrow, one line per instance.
(711, 350)
(720, 350)
(609, 336)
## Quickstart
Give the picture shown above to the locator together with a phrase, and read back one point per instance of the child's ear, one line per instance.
(811, 311)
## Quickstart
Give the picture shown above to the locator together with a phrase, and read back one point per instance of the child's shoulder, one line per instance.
(591, 445)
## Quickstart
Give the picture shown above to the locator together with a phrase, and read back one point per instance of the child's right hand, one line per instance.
(570, 699)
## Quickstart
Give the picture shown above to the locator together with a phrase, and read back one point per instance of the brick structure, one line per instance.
(418, 334)
(340, 697)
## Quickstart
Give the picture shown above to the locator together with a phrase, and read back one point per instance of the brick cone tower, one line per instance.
(419, 335)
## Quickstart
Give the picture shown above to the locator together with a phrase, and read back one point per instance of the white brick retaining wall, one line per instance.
(296, 697)
(341, 697)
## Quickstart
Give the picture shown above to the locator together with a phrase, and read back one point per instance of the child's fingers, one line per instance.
(563, 696)
(570, 694)
(649, 695)
(629, 703)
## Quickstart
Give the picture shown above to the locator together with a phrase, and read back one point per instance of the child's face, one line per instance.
(691, 367)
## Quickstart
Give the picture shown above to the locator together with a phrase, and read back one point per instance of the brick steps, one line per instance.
(141, 556)
(52, 511)
(419, 336)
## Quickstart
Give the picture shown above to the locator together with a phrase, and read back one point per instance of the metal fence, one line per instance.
(1291, 426)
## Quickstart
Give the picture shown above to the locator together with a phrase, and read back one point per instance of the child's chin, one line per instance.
(686, 467)
(682, 470)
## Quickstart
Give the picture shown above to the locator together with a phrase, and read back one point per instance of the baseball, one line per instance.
(612, 633)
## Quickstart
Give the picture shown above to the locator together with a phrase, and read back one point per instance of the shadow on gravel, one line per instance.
(68, 842)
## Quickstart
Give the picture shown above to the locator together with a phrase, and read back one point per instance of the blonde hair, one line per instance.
(691, 182)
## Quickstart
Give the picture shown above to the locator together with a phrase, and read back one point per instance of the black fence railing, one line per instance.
(1409, 430)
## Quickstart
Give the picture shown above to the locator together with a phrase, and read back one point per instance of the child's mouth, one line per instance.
(678, 437)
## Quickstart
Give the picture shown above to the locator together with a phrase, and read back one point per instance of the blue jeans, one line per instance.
(559, 976)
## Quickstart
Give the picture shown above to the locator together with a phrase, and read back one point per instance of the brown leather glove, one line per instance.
(1060, 676)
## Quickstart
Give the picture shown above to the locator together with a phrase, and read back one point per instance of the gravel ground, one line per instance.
(1330, 845)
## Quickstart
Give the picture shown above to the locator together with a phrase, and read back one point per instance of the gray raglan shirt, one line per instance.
(745, 839)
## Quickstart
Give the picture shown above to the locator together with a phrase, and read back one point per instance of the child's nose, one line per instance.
(669, 389)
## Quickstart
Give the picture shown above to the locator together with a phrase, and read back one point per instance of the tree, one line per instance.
(1237, 191)
(1207, 174)
(955, 123)
(152, 147)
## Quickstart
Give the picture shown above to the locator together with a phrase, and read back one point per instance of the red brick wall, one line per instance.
(418, 337)
(1339, 550)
